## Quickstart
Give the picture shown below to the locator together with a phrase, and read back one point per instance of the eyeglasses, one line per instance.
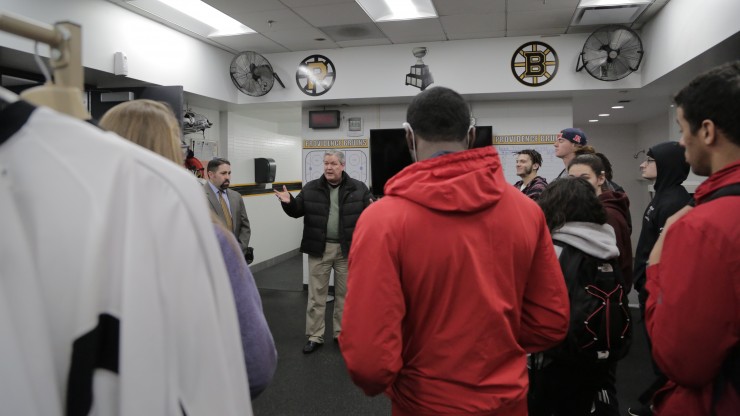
(649, 160)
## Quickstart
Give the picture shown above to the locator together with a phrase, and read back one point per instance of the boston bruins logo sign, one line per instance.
(534, 64)
(315, 75)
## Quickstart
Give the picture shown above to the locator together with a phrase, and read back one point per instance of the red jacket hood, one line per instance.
(452, 182)
(726, 176)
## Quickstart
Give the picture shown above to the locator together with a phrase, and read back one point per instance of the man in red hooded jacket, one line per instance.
(693, 277)
(452, 277)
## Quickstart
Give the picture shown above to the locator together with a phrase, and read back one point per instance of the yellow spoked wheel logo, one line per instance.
(315, 75)
(534, 64)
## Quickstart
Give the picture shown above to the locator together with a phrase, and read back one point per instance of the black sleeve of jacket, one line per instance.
(294, 208)
(367, 197)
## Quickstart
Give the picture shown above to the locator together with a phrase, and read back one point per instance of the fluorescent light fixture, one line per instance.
(593, 121)
(604, 115)
(617, 106)
(390, 10)
(611, 3)
(193, 15)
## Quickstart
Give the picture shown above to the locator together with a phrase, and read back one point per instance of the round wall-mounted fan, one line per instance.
(252, 74)
(611, 53)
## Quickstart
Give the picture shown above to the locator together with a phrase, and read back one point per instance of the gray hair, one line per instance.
(338, 153)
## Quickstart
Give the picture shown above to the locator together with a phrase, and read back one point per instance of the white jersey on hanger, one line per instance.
(114, 296)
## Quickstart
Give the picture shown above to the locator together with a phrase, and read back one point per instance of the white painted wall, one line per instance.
(273, 232)
(682, 30)
(480, 66)
(524, 116)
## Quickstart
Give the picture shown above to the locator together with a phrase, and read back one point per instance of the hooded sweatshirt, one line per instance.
(669, 197)
(617, 206)
(593, 239)
(452, 280)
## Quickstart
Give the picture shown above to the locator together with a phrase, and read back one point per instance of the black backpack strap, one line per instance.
(729, 190)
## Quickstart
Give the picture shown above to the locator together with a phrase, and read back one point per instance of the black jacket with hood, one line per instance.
(670, 196)
(312, 203)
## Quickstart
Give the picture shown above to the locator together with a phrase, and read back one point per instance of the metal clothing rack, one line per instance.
(65, 38)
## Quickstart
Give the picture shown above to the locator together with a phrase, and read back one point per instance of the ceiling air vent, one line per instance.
(607, 12)
(353, 32)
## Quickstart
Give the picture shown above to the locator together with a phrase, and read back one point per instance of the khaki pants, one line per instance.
(319, 269)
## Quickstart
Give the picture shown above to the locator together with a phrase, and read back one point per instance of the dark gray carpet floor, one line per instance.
(318, 383)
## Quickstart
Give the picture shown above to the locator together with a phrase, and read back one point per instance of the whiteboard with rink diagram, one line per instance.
(356, 155)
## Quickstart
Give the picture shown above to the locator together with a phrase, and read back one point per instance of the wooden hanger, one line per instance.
(65, 93)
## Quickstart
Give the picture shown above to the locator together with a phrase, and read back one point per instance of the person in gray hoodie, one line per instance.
(575, 217)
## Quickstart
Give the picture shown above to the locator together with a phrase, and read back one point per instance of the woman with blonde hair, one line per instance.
(149, 124)
(153, 125)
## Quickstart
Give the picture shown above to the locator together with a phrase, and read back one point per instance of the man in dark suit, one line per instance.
(228, 205)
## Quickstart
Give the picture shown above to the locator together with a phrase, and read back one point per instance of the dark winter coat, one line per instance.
(670, 196)
(312, 203)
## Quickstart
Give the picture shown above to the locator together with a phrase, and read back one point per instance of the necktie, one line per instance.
(225, 208)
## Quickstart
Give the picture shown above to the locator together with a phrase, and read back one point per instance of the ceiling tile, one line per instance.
(363, 42)
(472, 23)
(232, 7)
(302, 39)
(415, 38)
(306, 3)
(537, 19)
(453, 7)
(284, 20)
(541, 5)
(476, 35)
(250, 42)
(309, 44)
(349, 13)
(540, 31)
(410, 28)
(353, 32)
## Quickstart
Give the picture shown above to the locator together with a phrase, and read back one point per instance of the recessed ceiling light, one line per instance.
(593, 121)
(390, 10)
(604, 115)
(617, 106)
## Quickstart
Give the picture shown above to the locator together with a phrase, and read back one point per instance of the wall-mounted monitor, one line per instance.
(324, 119)
(483, 136)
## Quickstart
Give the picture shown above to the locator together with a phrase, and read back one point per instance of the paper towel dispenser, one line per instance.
(264, 170)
